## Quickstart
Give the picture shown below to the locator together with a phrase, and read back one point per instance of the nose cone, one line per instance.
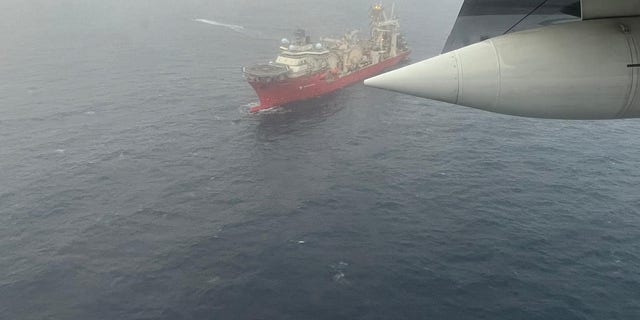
(436, 78)
(468, 76)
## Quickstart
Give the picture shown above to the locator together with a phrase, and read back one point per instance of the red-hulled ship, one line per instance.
(305, 70)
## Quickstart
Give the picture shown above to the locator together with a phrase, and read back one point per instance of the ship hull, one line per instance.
(279, 93)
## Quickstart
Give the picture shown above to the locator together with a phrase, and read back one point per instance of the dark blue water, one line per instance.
(134, 184)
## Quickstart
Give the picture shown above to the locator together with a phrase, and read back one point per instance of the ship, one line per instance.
(305, 69)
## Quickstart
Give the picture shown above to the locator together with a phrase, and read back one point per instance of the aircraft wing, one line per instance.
(479, 20)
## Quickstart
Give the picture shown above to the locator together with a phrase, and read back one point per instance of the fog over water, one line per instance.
(134, 184)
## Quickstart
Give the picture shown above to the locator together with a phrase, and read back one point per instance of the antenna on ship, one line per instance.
(377, 13)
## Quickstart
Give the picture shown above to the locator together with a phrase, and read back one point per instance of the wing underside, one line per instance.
(479, 20)
(483, 19)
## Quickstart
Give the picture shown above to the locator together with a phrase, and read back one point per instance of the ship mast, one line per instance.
(384, 30)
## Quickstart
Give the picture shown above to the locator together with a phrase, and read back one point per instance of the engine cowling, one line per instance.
(576, 70)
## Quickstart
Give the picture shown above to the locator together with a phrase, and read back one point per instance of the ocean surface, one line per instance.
(134, 184)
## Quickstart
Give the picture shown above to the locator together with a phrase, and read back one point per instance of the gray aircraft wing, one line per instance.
(479, 20)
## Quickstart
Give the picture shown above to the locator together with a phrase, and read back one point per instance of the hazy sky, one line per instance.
(22, 21)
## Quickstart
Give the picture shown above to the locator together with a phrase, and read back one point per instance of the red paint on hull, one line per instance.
(279, 93)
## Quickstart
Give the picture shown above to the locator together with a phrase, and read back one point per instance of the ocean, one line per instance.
(134, 184)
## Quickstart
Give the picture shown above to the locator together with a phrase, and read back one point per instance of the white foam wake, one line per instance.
(233, 27)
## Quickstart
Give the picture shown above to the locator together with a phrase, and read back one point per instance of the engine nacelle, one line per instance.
(576, 70)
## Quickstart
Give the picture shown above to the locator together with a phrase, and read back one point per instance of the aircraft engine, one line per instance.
(576, 70)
